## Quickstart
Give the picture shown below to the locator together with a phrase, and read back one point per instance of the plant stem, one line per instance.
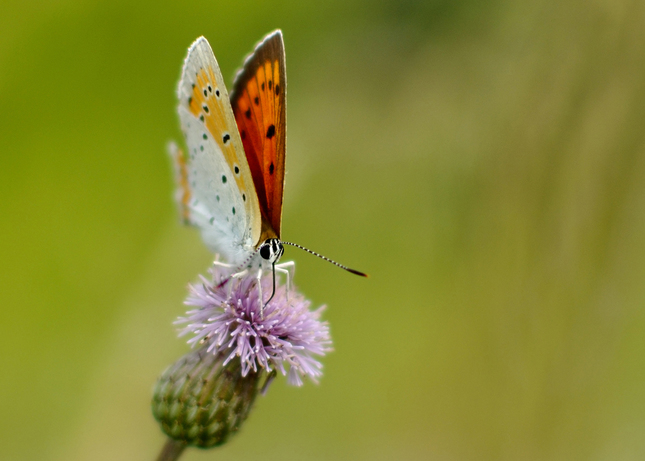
(171, 451)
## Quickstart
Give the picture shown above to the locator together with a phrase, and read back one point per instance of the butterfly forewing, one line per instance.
(220, 198)
(259, 103)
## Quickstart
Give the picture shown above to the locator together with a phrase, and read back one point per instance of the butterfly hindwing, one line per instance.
(217, 192)
(259, 104)
(183, 192)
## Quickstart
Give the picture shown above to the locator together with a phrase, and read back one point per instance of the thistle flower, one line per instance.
(203, 399)
(229, 320)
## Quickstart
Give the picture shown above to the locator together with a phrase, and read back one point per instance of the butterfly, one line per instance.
(230, 181)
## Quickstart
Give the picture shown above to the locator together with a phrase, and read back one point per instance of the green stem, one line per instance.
(171, 451)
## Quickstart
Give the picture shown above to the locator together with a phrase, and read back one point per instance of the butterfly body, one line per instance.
(231, 180)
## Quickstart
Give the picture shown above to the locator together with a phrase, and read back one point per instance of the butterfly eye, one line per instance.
(265, 251)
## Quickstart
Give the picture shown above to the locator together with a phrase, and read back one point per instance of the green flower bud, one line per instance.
(200, 402)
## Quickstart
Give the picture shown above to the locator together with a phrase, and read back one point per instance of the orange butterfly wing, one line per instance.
(259, 99)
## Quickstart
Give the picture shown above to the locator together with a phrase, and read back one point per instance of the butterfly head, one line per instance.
(271, 250)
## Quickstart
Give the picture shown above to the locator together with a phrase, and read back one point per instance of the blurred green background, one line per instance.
(483, 161)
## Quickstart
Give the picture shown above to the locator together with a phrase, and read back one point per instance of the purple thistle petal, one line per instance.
(228, 319)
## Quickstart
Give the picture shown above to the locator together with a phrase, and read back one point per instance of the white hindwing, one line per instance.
(221, 200)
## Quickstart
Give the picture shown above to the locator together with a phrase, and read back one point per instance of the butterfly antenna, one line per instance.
(362, 274)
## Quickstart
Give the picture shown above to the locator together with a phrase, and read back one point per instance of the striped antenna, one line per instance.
(325, 258)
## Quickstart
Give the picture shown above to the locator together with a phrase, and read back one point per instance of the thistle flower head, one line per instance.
(200, 402)
(285, 335)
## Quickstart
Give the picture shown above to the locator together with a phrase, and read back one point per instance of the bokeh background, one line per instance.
(483, 161)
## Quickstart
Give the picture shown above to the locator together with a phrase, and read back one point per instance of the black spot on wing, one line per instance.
(271, 131)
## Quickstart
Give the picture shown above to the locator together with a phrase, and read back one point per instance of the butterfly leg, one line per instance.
(223, 280)
(219, 263)
(232, 276)
(260, 298)
(229, 266)
(288, 269)
(237, 275)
